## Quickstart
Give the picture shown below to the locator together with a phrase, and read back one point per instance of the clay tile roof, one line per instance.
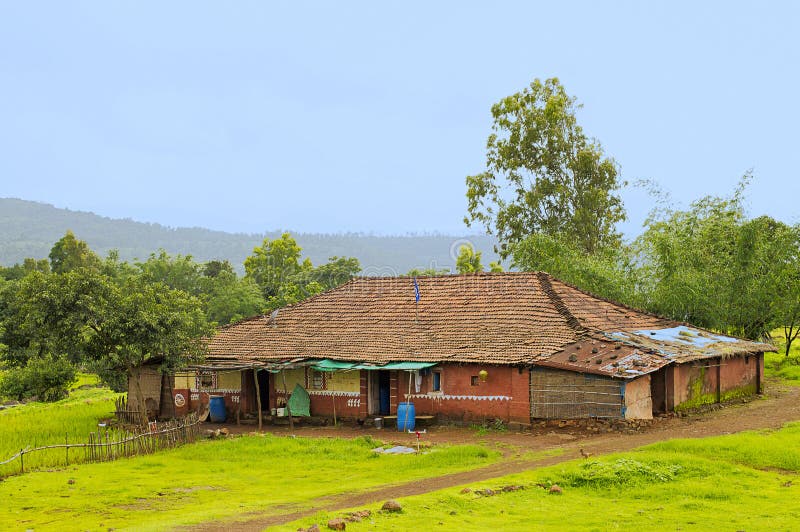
(498, 318)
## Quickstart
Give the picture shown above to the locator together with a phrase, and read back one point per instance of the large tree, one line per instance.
(69, 253)
(284, 280)
(544, 175)
(273, 263)
(468, 260)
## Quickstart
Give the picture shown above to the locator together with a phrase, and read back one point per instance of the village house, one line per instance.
(510, 346)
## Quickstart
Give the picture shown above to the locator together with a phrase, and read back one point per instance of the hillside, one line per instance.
(29, 229)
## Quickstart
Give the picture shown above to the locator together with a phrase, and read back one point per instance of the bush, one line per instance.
(623, 471)
(47, 379)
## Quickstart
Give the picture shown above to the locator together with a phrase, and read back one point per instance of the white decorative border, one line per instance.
(334, 393)
(215, 390)
(439, 397)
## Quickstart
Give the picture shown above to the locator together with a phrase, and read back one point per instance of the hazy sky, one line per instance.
(334, 116)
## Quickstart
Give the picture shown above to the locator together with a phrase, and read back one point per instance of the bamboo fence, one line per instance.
(104, 446)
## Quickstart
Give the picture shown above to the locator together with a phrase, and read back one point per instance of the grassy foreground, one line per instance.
(746, 481)
(781, 366)
(215, 479)
(35, 424)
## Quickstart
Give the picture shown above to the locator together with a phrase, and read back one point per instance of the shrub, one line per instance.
(623, 471)
(47, 379)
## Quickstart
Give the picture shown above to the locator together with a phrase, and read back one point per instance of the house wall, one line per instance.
(711, 381)
(562, 394)
(188, 395)
(150, 383)
(504, 394)
(638, 403)
(339, 391)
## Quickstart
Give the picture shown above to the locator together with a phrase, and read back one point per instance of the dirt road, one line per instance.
(779, 405)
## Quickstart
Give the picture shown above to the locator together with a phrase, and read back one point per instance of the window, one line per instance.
(474, 380)
(436, 382)
(206, 380)
(318, 380)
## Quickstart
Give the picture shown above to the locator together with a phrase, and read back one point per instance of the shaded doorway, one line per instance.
(263, 389)
(660, 390)
(379, 393)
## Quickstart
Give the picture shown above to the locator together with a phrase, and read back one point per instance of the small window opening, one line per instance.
(474, 380)
(437, 381)
(318, 380)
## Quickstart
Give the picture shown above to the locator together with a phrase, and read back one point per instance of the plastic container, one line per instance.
(216, 409)
(280, 412)
(378, 422)
(406, 417)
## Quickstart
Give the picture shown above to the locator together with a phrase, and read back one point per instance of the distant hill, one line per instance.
(29, 229)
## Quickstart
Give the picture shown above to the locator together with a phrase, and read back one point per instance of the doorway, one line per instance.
(379, 393)
(661, 394)
(263, 389)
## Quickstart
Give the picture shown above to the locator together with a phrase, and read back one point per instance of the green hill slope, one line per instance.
(29, 229)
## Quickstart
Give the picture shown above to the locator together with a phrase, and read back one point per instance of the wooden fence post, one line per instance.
(66, 446)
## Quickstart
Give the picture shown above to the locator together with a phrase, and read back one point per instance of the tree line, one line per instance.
(550, 195)
(78, 310)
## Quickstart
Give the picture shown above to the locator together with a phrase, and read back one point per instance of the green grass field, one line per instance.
(215, 479)
(779, 365)
(35, 424)
(745, 481)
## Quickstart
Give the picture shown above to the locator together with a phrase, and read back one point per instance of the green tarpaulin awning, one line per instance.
(335, 365)
(332, 365)
(406, 365)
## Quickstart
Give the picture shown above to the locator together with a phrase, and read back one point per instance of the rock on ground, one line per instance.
(391, 506)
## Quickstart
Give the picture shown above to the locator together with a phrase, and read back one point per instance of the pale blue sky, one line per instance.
(250, 116)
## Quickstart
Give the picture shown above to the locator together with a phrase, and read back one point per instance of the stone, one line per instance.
(555, 489)
(466, 490)
(71, 481)
(312, 528)
(392, 506)
(513, 487)
(337, 524)
(486, 492)
(357, 516)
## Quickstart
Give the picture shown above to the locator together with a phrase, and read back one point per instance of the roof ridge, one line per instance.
(616, 303)
(558, 303)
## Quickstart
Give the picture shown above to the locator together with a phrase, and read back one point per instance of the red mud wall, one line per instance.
(464, 397)
(709, 381)
(740, 373)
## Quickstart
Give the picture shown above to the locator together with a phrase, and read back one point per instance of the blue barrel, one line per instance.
(216, 409)
(406, 417)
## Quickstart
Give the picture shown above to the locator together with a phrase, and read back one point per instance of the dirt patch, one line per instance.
(778, 406)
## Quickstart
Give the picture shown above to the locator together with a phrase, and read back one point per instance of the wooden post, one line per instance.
(333, 398)
(286, 394)
(719, 381)
(258, 399)
(22, 460)
(759, 359)
(66, 446)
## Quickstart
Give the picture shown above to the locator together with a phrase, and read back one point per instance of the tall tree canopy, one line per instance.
(544, 175)
(275, 266)
(709, 265)
(69, 253)
(468, 260)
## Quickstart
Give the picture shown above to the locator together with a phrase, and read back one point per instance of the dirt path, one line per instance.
(778, 406)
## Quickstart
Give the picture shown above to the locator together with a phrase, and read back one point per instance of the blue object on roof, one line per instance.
(681, 333)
